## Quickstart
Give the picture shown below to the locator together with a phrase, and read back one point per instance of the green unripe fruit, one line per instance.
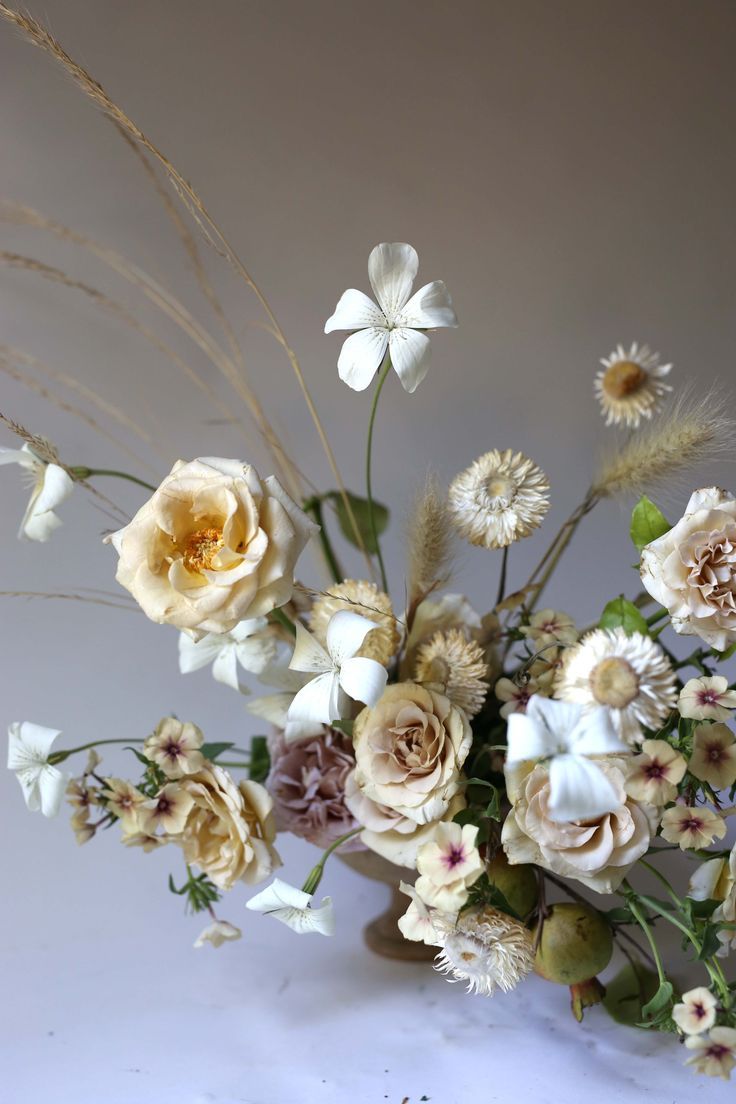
(517, 883)
(576, 944)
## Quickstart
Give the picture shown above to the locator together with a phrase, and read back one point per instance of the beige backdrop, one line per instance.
(566, 167)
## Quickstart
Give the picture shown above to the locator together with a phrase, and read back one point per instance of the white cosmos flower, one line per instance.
(340, 672)
(250, 645)
(51, 486)
(396, 324)
(292, 907)
(567, 735)
(28, 755)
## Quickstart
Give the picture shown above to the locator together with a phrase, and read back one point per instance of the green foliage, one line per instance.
(621, 613)
(212, 751)
(657, 1009)
(199, 891)
(628, 994)
(483, 892)
(260, 760)
(730, 651)
(361, 513)
(345, 727)
(647, 523)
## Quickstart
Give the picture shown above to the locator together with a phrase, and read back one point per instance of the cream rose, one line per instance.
(409, 749)
(597, 852)
(691, 570)
(388, 833)
(229, 830)
(213, 546)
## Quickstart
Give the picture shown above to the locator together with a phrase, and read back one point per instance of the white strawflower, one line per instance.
(488, 950)
(630, 676)
(630, 386)
(499, 499)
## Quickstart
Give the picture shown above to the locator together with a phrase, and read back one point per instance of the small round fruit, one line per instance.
(517, 883)
(576, 944)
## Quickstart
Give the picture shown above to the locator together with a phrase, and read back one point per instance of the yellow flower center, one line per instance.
(614, 682)
(501, 490)
(624, 378)
(201, 548)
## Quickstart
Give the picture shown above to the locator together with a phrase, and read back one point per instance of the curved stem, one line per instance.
(639, 917)
(502, 577)
(315, 875)
(313, 506)
(61, 755)
(86, 473)
(385, 368)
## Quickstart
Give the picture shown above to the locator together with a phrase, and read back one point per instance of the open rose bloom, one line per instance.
(213, 546)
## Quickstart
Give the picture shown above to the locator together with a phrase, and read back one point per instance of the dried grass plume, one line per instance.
(429, 541)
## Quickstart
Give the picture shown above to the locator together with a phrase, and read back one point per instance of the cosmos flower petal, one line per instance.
(429, 308)
(308, 655)
(346, 632)
(363, 680)
(392, 269)
(225, 669)
(527, 739)
(579, 790)
(410, 354)
(57, 486)
(291, 906)
(355, 311)
(195, 654)
(360, 357)
(595, 734)
(319, 702)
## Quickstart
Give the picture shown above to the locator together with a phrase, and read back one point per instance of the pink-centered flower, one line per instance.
(692, 827)
(707, 699)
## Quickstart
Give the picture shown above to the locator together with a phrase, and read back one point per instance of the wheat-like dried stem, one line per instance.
(429, 541)
(39, 36)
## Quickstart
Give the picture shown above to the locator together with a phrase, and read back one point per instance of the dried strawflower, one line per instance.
(696, 1012)
(707, 698)
(487, 949)
(627, 674)
(714, 755)
(655, 775)
(715, 1053)
(630, 386)
(692, 828)
(499, 499)
(457, 667)
(367, 600)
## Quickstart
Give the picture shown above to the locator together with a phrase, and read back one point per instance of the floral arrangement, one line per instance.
(516, 769)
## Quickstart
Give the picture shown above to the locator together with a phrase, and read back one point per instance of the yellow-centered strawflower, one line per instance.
(455, 666)
(630, 385)
(366, 599)
(499, 499)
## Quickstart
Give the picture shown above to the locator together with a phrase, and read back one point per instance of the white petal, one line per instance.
(410, 351)
(705, 879)
(38, 527)
(195, 654)
(392, 267)
(225, 668)
(360, 356)
(579, 790)
(557, 717)
(355, 311)
(271, 707)
(278, 895)
(363, 680)
(346, 633)
(23, 456)
(594, 734)
(249, 628)
(51, 785)
(428, 308)
(527, 739)
(319, 921)
(29, 743)
(308, 655)
(319, 702)
(57, 486)
(256, 653)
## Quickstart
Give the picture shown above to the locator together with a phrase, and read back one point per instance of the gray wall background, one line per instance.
(566, 167)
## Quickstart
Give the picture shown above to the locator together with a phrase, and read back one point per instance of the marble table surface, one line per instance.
(106, 1002)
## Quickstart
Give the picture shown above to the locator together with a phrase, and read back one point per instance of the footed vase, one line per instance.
(382, 935)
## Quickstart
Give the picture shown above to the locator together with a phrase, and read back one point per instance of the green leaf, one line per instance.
(647, 523)
(710, 942)
(621, 613)
(493, 808)
(659, 1003)
(211, 751)
(139, 756)
(731, 650)
(260, 760)
(361, 513)
(344, 726)
(619, 915)
(626, 994)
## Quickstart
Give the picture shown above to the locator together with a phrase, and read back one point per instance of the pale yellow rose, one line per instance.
(691, 570)
(409, 749)
(213, 546)
(598, 853)
(229, 829)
